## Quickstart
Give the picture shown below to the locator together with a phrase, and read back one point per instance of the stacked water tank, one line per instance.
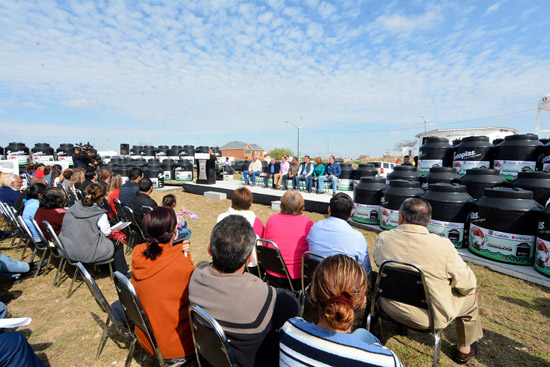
(65, 153)
(18, 152)
(42, 152)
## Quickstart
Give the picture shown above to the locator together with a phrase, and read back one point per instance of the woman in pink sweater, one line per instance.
(289, 230)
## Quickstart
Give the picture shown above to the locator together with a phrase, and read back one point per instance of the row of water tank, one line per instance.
(158, 170)
(164, 151)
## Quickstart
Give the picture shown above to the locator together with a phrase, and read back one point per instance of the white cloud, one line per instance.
(32, 105)
(398, 23)
(493, 8)
(76, 103)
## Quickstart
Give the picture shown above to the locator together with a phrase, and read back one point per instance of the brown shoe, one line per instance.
(462, 358)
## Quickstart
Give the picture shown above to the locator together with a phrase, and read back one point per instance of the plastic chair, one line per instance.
(120, 325)
(270, 258)
(135, 316)
(210, 342)
(403, 282)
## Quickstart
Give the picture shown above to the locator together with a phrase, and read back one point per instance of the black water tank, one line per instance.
(536, 182)
(477, 180)
(168, 168)
(202, 149)
(162, 152)
(147, 151)
(440, 175)
(217, 151)
(155, 173)
(19, 152)
(136, 149)
(347, 171)
(188, 151)
(503, 225)
(542, 250)
(409, 173)
(175, 151)
(183, 170)
(451, 206)
(435, 152)
(518, 153)
(365, 170)
(473, 152)
(394, 195)
(367, 195)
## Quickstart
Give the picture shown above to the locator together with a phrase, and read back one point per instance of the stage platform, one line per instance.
(317, 203)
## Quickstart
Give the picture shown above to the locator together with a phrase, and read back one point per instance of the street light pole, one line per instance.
(298, 143)
(425, 122)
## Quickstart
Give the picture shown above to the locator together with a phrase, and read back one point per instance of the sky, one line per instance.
(355, 76)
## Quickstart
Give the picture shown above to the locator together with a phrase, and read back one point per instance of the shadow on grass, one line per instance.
(498, 350)
(537, 304)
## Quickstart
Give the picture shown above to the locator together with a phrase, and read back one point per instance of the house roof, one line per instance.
(236, 144)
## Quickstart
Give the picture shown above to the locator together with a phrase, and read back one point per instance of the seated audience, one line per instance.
(55, 176)
(289, 230)
(77, 178)
(16, 270)
(142, 199)
(318, 171)
(52, 209)
(241, 201)
(160, 274)
(334, 235)
(19, 204)
(39, 171)
(105, 176)
(451, 282)
(65, 178)
(292, 171)
(16, 351)
(254, 170)
(85, 230)
(48, 174)
(333, 170)
(283, 170)
(169, 201)
(249, 311)
(11, 189)
(113, 189)
(270, 171)
(338, 288)
(130, 188)
(90, 177)
(31, 206)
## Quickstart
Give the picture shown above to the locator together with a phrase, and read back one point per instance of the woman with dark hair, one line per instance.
(31, 206)
(289, 230)
(52, 209)
(85, 230)
(338, 288)
(160, 274)
(55, 176)
(241, 201)
(113, 189)
(65, 178)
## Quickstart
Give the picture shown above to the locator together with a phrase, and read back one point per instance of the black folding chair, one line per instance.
(58, 252)
(135, 316)
(78, 194)
(138, 235)
(120, 325)
(118, 210)
(211, 346)
(104, 203)
(270, 258)
(310, 261)
(403, 282)
(71, 199)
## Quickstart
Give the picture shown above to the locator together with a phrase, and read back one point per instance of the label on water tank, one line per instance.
(542, 256)
(18, 156)
(167, 175)
(183, 175)
(345, 184)
(451, 230)
(502, 246)
(509, 169)
(369, 214)
(462, 166)
(38, 157)
(389, 218)
(424, 165)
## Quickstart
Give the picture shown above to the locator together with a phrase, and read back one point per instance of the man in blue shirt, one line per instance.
(335, 236)
(332, 172)
(305, 173)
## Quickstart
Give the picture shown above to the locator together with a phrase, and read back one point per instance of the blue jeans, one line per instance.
(366, 336)
(309, 181)
(285, 181)
(3, 310)
(252, 174)
(16, 351)
(323, 179)
(10, 268)
(267, 177)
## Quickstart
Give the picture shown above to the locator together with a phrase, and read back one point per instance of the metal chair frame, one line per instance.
(38, 246)
(136, 233)
(409, 288)
(310, 261)
(120, 327)
(9, 211)
(69, 195)
(218, 353)
(267, 258)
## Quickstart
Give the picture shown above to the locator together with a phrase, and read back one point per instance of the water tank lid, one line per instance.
(508, 193)
(482, 172)
(534, 174)
(372, 180)
(404, 183)
(447, 187)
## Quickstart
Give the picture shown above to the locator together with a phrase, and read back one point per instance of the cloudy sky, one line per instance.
(356, 75)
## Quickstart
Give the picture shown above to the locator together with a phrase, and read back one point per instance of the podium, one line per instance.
(206, 169)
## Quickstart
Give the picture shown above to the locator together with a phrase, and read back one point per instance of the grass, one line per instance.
(65, 332)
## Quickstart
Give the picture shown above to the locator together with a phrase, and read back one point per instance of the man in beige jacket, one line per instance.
(451, 282)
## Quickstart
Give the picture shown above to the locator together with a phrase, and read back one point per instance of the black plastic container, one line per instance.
(394, 195)
(347, 171)
(136, 149)
(19, 152)
(217, 151)
(189, 152)
(183, 170)
(451, 206)
(163, 152)
(517, 153)
(168, 168)
(544, 163)
(503, 225)
(497, 141)
(473, 152)
(542, 251)
(440, 175)
(175, 151)
(147, 151)
(155, 173)
(2, 152)
(201, 149)
(435, 152)
(536, 182)
(365, 170)
(64, 152)
(477, 180)
(367, 195)
(409, 173)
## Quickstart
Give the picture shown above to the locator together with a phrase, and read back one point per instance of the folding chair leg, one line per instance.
(57, 274)
(103, 338)
(72, 283)
(62, 271)
(40, 263)
(25, 249)
(111, 271)
(130, 353)
(437, 336)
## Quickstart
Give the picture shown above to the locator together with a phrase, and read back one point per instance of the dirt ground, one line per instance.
(66, 332)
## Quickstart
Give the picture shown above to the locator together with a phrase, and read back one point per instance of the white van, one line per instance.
(384, 168)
